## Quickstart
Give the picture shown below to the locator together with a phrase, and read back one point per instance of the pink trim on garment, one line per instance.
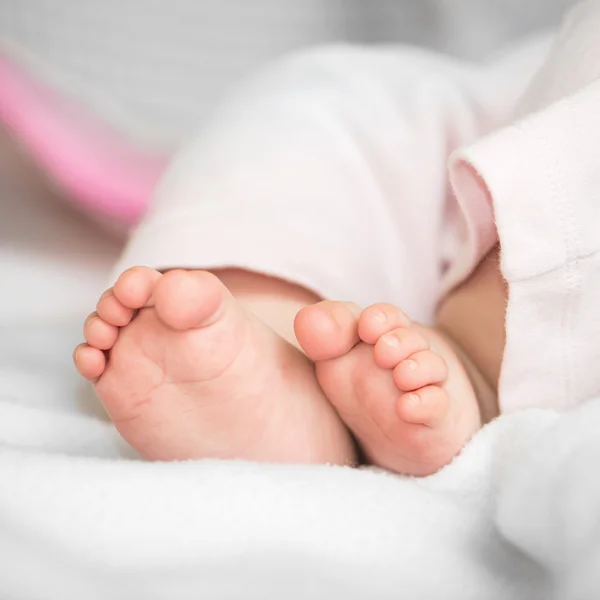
(100, 170)
(476, 203)
(477, 227)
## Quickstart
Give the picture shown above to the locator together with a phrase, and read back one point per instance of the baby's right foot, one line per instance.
(184, 372)
(399, 387)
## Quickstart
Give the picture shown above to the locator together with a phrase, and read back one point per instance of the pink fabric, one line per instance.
(475, 205)
(101, 171)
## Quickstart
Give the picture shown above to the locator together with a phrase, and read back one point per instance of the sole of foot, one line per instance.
(400, 387)
(185, 372)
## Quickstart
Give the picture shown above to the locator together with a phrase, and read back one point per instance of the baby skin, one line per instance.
(193, 364)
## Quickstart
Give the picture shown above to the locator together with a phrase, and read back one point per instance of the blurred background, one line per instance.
(155, 69)
(161, 65)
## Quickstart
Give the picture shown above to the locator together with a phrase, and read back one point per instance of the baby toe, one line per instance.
(98, 333)
(427, 406)
(420, 369)
(378, 319)
(90, 362)
(328, 329)
(134, 287)
(112, 311)
(397, 345)
(192, 299)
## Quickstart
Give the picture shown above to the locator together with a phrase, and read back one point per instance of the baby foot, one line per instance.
(185, 373)
(399, 387)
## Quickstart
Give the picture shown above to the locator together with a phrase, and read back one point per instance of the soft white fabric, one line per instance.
(542, 175)
(328, 169)
(79, 519)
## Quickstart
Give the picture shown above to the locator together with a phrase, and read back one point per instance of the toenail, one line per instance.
(391, 340)
(106, 294)
(379, 315)
(354, 309)
(411, 365)
(91, 318)
(338, 314)
(412, 400)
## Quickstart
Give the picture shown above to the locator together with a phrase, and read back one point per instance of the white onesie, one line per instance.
(330, 170)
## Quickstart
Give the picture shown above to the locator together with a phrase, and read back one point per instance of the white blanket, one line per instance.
(515, 516)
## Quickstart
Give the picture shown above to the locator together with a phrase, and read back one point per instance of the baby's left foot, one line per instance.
(398, 386)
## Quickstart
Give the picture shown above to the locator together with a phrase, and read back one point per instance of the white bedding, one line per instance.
(515, 516)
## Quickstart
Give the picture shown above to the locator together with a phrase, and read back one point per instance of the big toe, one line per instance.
(190, 299)
(328, 329)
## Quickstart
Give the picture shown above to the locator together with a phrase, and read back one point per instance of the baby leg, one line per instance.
(473, 315)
